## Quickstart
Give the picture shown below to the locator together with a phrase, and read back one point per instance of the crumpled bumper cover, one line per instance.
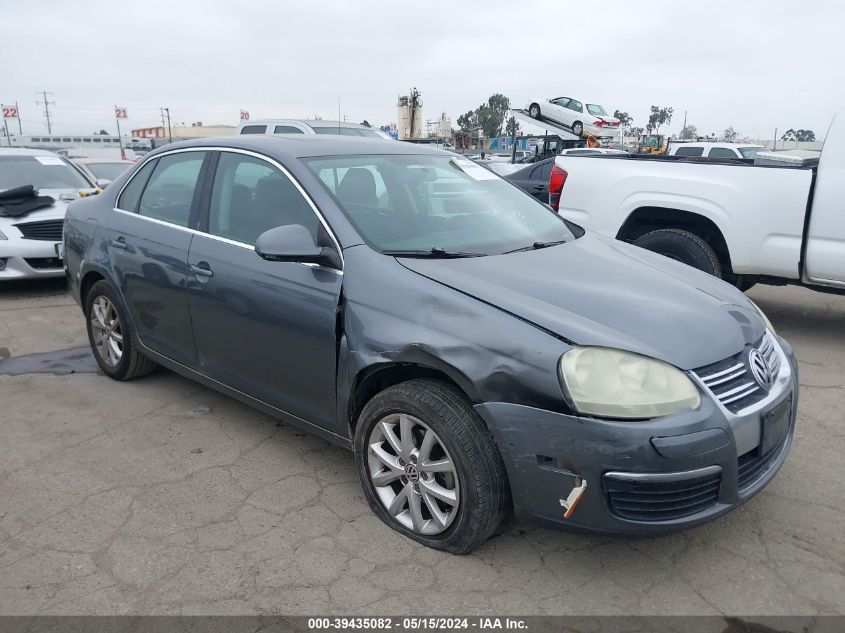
(547, 454)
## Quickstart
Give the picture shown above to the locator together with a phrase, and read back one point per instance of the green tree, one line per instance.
(489, 116)
(659, 116)
(730, 135)
(689, 131)
(624, 118)
(635, 131)
(799, 135)
(467, 121)
(512, 127)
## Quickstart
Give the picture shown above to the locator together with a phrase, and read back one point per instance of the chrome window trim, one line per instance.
(235, 150)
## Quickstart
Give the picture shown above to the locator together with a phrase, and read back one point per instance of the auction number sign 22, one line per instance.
(10, 112)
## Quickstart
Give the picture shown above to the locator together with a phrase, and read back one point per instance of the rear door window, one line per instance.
(722, 152)
(170, 190)
(689, 151)
(254, 129)
(287, 129)
(575, 105)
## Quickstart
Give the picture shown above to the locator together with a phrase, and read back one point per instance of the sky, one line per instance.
(755, 65)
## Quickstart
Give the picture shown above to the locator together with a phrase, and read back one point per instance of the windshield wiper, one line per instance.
(434, 252)
(535, 246)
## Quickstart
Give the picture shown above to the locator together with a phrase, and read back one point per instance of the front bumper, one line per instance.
(29, 259)
(702, 463)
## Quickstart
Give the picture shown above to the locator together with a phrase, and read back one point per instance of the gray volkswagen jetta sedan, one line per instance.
(479, 354)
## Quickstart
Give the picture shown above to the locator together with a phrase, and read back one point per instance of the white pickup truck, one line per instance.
(778, 220)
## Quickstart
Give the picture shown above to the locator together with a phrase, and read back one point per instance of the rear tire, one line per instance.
(578, 128)
(110, 335)
(475, 475)
(534, 111)
(682, 246)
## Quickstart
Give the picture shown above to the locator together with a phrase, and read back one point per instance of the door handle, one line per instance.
(120, 242)
(201, 270)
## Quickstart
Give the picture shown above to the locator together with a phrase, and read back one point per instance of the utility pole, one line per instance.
(47, 105)
(162, 118)
(169, 132)
(18, 110)
(775, 141)
(685, 122)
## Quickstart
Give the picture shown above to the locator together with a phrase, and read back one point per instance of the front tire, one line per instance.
(534, 111)
(110, 336)
(682, 246)
(429, 466)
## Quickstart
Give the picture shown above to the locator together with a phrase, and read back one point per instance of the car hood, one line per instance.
(599, 291)
(54, 211)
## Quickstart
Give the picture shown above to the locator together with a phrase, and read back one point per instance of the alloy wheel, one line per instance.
(107, 331)
(413, 474)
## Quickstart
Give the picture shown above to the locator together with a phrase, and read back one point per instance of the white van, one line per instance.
(306, 126)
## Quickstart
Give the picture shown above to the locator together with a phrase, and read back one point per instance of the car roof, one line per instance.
(88, 160)
(25, 151)
(285, 147)
(706, 144)
(309, 122)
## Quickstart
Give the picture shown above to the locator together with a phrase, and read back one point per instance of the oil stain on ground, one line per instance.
(76, 360)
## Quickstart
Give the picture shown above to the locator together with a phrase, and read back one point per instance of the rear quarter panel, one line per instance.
(759, 210)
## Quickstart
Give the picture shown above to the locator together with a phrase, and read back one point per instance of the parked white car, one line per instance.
(30, 243)
(582, 118)
(307, 126)
(716, 150)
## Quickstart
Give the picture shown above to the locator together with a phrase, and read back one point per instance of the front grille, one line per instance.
(44, 262)
(752, 465)
(46, 230)
(730, 380)
(639, 500)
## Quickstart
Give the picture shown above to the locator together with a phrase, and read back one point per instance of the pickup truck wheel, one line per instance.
(577, 128)
(534, 111)
(682, 246)
(429, 466)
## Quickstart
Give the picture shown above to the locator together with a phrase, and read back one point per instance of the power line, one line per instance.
(47, 105)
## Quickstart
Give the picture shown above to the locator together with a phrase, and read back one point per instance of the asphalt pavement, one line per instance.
(160, 496)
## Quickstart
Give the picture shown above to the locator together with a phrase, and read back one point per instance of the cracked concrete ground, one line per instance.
(159, 496)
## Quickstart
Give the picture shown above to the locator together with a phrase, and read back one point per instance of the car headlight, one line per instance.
(612, 383)
(768, 323)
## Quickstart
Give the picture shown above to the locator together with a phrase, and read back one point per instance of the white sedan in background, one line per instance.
(31, 241)
(582, 118)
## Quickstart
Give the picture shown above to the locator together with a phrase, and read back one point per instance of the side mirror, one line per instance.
(294, 243)
(102, 183)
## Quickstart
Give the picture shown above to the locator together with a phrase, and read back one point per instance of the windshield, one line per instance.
(43, 172)
(108, 171)
(596, 110)
(428, 203)
(751, 152)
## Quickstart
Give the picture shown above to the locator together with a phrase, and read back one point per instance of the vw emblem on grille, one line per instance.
(760, 369)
